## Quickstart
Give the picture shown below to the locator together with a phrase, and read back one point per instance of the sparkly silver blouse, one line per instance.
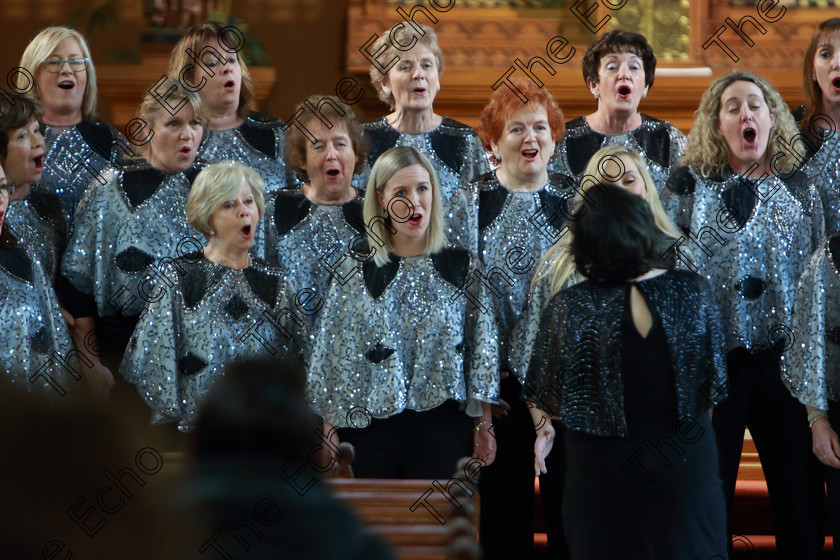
(35, 344)
(308, 241)
(76, 155)
(38, 222)
(407, 335)
(811, 367)
(203, 316)
(258, 143)
(454, 149)
(137, 218)
(823, 168)
(511, 231)
(576, 371)
(751, 247)
(660, 143)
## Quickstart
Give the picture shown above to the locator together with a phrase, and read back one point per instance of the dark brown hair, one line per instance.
(618, 41)
(16, 111)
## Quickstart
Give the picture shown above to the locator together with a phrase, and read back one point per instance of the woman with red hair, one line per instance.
(513, 215)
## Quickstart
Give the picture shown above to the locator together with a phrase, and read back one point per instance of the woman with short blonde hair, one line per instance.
(128, 223)
(210, 306)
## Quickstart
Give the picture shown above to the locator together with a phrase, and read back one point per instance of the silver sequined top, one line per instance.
(660, 143)
(405, 336)
(309, 241)
(511, 231)
(823, 169)
(139, 217)
(258, 143)
(811, 367)
(75, 156)
(35, 346)
(751, 247)
(204, 316)
(453, 148)
(38, 222)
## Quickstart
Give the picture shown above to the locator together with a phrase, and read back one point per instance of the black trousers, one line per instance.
(412, 444)
(551, 491)
(507, 486)
(778, 423)
(832, 482)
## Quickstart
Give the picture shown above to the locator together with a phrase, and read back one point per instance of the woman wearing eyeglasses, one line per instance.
(77, 144)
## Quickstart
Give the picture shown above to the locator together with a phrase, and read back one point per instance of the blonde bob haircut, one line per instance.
(558, 266)
(376, 217)
(209, 34)
(217, 184)
(40, 48)
(708, 151)
(151, 109)
(403, 35)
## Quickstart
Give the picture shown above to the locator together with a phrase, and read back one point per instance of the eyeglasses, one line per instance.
(76, 64)
(7, 190)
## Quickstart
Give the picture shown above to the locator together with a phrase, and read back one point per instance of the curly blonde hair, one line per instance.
(558, 266)
(708, 151)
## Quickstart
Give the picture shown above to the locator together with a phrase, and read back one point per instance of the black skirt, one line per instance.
(656, 494)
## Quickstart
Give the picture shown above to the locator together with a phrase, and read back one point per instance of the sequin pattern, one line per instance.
(40, 226)
(309, 252)
(70, 163)
(660, 143)
(515, 231)
(233, 144)
(823, 169)
(453, 148)
(811, 367)
(754, 256)
(415, 345)
(576, 371)
(208, 315)
(34, 332)
(116, 238)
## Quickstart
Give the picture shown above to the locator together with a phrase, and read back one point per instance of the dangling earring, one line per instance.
(595, 94)
(438, 87)
(386, 91)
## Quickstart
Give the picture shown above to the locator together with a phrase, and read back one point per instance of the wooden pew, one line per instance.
(420, 519)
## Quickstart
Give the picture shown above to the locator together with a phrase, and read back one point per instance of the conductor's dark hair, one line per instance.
(257, 408)
(616, 238)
